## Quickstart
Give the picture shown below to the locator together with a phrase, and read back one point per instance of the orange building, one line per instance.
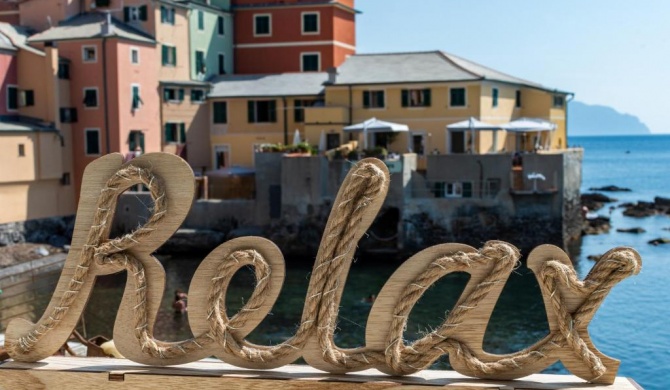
(273, 36)
(113, 105)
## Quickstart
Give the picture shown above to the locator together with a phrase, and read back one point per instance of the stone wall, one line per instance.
(55, 231)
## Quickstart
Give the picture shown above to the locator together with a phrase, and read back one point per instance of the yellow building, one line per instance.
(424, 90)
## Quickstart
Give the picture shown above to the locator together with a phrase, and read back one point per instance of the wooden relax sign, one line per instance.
(570, 303)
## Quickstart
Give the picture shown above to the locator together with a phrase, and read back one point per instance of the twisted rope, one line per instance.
(367, 182)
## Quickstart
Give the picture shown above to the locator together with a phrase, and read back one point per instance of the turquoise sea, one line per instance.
(632, 324)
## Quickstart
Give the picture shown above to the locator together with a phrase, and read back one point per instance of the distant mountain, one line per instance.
(586, 119)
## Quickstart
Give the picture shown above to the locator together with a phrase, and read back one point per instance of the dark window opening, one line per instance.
(416, 97)
(262, 111)
(373, 99)
(457, 97)
(220, 110)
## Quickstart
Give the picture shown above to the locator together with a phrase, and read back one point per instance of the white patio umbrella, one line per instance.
(472, 124)
(322, 141)
(531, 125)
(296, 137)
(374, 125)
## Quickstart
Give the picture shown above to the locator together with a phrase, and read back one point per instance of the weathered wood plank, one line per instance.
(104, 373)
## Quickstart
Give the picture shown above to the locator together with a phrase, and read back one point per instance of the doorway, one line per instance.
(457, 141)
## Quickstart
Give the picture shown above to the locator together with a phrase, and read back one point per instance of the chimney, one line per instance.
(107, 27)
(332, 75)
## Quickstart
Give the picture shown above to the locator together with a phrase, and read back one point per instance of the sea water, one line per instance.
(633, 322)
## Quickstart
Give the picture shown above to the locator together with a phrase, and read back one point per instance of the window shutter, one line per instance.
(174, 55)
(181, 94)
(164, 54)
(164, 14)
(273, 111)
(405, 98)
(142, 140)
(143, 12)
(182, 133)
(366, 99)
(126, 14)
(251, 111)
(73, 115)
(426, 97)
(172, 16)
(380, 99)
(166, 94)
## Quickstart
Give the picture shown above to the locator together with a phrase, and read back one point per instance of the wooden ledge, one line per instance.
(73, 373)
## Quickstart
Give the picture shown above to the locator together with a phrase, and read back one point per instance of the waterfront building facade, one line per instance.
(113, 83)
(36, 146)
(279, 36)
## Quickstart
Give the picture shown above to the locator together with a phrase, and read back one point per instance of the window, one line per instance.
(262, 25)
(27, 98)
(175, 133)
(92, 137)
(517, 99)
(310, 62)
(310, 22)
(201, 20)
(135, 139)
(200, 62)
(220, 110)
(373, 99)
(299, 108)
(494, 97)
(220, 26)
(91, 97)
(493, 186)
(22, 150)
(559, 100)
(167, 15)
(135, 13)
(63, 70)
(457, 97)
(168, 55)
(222, 63)
(332, 141)
(89, 54)
(197, 96)
(68, 115)
(173, 94)
(134, 55)
(454, 190)
(261, 111)
(221, 156)
(418, 146)
(135, 97)
(12, 98)
(415, 97)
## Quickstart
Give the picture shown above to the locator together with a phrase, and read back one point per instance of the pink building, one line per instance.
(113, 86)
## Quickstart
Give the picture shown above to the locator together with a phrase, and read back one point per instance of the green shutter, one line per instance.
(180, 96)
(426, 97)
(142, 140)
(126, 14)
(164, 54)
(174, 55)
(366, 99)
(167, 133)
(251, 111)
(380, 99)
(166, 95)
(405, 98)
(182, 133)
(164, 14)
(143, 12)
(273, 111)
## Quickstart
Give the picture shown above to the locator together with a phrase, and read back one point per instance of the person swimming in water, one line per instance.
(180, 302)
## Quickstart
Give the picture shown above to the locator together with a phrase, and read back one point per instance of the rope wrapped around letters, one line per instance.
(321, 306)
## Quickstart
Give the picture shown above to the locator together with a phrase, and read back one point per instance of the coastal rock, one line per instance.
(598, 225)
(642, 209)
(636, 230)
(595, 201)
(659, 241)
(610, 188)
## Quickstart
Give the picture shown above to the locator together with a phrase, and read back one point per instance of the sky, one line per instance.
(608, 52)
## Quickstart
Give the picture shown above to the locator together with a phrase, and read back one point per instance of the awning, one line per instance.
(374, 125)
(527, 125)
(473, 124)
